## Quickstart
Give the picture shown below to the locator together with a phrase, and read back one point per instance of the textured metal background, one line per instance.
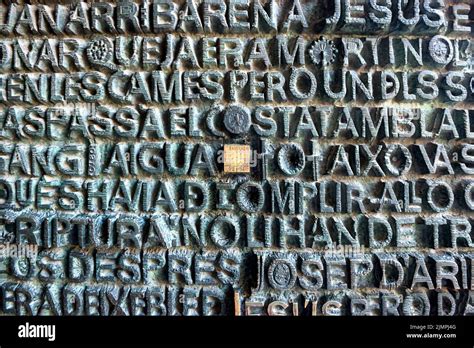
(236, 158)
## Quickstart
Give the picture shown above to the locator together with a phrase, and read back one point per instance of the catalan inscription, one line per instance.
(237, 157)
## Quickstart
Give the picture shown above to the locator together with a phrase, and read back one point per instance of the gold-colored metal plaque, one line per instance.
(236, 158)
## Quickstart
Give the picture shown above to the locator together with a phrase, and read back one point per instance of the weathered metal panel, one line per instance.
(237, 157)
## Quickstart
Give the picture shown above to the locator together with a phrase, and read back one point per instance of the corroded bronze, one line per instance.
(237, 157)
